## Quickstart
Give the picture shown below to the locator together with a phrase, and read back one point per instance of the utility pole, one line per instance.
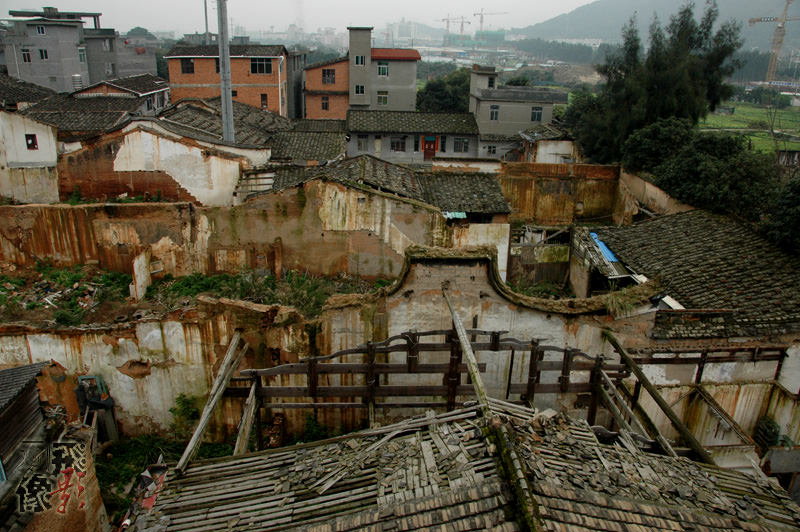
(225, 72)
(206, 40)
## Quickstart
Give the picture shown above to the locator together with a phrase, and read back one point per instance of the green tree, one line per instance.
(518, 81)
(446, 94)
(782, 225)
(718, 173)
(681, 75)
(139, 31)
(650, 146)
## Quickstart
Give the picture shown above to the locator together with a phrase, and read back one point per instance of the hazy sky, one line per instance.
(187, 16)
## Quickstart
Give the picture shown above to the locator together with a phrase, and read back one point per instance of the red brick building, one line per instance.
(258, 74)
(326, 89)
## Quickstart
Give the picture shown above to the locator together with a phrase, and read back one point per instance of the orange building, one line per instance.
(258, 74)
(326, 89)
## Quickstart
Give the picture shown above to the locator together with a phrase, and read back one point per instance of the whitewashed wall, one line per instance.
(28, 176)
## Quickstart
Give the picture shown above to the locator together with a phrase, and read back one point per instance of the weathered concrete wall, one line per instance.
(635, 191)
(419, 304)
(555, 151)
(444, 164)
(497, 235)
(558, 194)
(323, 228)
(30, 185)
(329, 228)
(90, 170)
(790, 371)
(146, 364)
(27, 171)
(745, 403)
(784, 408)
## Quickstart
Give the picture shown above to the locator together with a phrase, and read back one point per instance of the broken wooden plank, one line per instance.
(243, 438)
(466, 348)
(704, 455)
(226, 370)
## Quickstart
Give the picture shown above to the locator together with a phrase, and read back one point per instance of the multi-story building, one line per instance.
(53, 49)
(327, 89)
(258, 74)
(378, 79)
(411, 137)
(112, 56)
(503, 112)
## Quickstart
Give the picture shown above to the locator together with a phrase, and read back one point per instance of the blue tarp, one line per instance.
(607, 253)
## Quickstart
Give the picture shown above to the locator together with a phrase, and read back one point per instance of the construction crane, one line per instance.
(455, 19)
(482, 14)
(777, 37)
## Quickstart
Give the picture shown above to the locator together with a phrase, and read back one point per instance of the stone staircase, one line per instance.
(252, 183)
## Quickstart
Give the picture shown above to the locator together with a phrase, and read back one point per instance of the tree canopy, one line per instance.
(718, 172)
(139, 31)
(681, 75)
(449, 93)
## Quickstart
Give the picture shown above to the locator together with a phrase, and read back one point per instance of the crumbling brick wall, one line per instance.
(90, 172)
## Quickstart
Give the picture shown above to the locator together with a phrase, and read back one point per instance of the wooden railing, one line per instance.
(416, 346)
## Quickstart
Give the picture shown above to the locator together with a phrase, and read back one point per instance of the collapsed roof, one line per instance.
(451, 192)
(463, 471)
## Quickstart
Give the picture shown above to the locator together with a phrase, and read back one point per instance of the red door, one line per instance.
(429, 147)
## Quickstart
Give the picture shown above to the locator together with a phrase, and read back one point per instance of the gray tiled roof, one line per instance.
(378, 174)
(13, 91)
(411, 122)
(470, 192)
(580, 484)
(521, 94)
(546, 132)
(499, 137)
(236, 50)
(14, 380)
(474, 193)
(328, 126)
(71, 114)
(307, 145)
(202, 119)
(140, 84)
(709, 261)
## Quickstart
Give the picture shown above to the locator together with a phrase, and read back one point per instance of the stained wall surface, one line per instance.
(323, 228)
(28, 157)
(558, 194)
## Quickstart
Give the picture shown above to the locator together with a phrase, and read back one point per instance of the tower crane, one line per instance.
(777, 37)
(482, 14)
(449, 19)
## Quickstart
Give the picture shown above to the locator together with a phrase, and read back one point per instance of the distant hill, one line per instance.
(604, 19)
